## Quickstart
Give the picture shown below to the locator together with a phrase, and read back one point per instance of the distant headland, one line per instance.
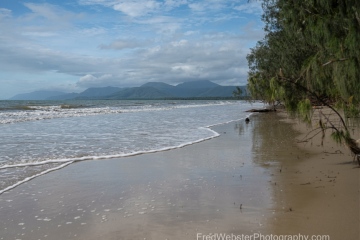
(152, 90)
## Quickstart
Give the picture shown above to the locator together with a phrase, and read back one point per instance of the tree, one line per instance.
(237, 93)
(310, 56)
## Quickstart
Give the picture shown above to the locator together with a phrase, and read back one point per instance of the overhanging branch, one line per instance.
(306, 90)
(335, 60)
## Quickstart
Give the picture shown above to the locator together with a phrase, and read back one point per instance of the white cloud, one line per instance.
(91, 81)
(188, 71)
(252, 7)
(197, 6)
(5, 13)
(208, 5)
(50, 12)
(137, 8)
(174, 3)
(93, 31)
(107, 3)
(189, 33)
(45, 20)
(87, 78)
(216, 57)
(182, 42)
(121, 44)
(162, 24)
(184, 61)
(157, 44)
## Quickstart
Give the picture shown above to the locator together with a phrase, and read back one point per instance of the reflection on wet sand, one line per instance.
(213, 186)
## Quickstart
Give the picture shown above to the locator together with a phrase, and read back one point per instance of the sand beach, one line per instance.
(320, 192)
(252, 179)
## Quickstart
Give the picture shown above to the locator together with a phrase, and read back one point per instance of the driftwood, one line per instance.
(261, 110)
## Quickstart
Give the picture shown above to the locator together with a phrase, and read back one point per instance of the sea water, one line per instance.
(37, 137)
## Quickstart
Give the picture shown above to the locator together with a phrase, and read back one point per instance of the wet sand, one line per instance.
(166, 195)
(318, 194)
(282, 188)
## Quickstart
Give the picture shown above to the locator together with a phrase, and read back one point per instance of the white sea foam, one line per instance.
(67, 161)
(36, 148)
(32, 177)
(85, 158)
(35, 113)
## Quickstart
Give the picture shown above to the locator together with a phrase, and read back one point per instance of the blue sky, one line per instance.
(70, 45)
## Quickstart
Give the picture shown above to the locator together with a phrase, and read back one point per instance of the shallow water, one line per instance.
(39, 136)
(167, 195)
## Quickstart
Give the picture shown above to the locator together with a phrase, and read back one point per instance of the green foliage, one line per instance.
(237, 93)
(304, 109)
(337, 136)
(309, 56)
(311, 44)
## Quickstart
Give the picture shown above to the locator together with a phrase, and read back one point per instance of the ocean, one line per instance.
(37, 137)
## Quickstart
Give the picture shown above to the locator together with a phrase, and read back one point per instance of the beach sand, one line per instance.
(318, 194)
(174, 194)
(253, 178)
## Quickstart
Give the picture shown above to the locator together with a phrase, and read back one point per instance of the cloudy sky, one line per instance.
(70, 45)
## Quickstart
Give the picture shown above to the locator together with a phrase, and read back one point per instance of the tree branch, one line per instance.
(336, 60)
(305, 89)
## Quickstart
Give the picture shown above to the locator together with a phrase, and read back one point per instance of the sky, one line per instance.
(71, 45)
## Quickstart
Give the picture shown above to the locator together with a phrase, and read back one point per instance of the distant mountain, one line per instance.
(221, 91)
(189, 89)
(150, 90)
(99, 92)
(90, 93)
(139, 93)
(66, 96)
(37, 95)
(188, 92)
(198, 84)
(158, 85)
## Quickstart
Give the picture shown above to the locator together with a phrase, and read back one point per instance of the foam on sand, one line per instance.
(67, 161)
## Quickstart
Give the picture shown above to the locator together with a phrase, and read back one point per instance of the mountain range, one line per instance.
(150, 90)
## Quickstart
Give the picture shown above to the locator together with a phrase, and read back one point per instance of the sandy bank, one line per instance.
(316, 188)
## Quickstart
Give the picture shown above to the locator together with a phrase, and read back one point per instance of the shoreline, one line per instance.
(66, 162)
(172, 194)
(252, 178)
